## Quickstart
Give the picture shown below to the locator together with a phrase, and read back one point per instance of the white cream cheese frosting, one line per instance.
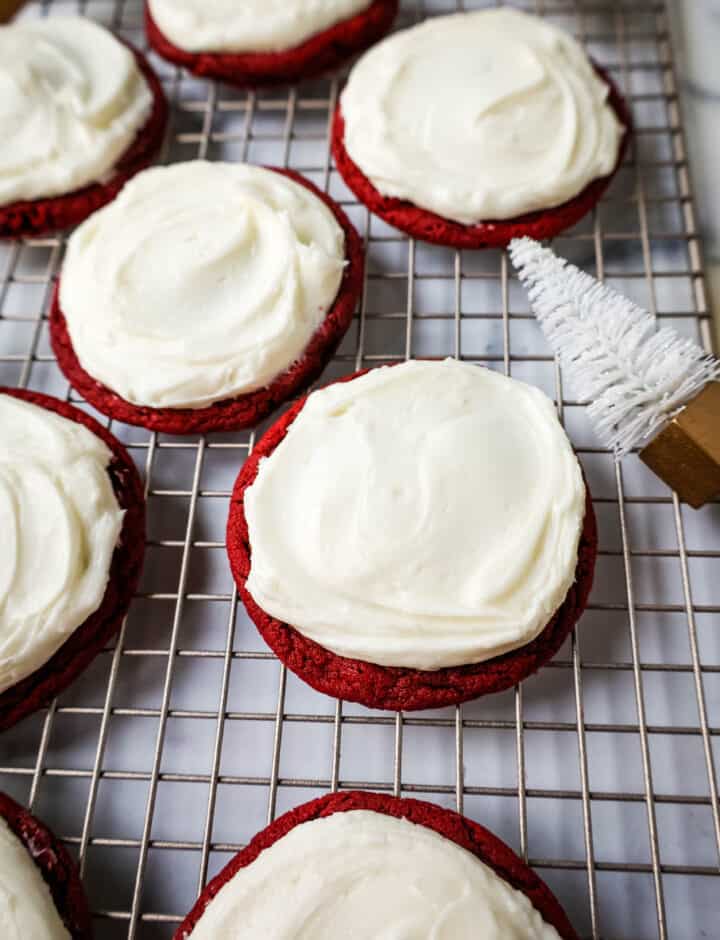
(368, 876)
(27, 910)
(72, 100)
(200, 282)
(60, 523)
(250, 26)
(424, 515)
(480, 116)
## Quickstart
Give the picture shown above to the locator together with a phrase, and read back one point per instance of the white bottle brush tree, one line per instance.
(633, 377)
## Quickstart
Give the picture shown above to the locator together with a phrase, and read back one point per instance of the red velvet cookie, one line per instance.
(320, 53)
(35, 217)
(458, 829)
(57, 868)
(245, 410)
(392, 687)
(430, 227)
(83, 645)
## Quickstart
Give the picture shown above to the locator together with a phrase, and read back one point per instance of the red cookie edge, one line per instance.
(427, 226)
(56, 866)
(392, 687)
(35, 217)
(82, 646)
(320, 53)
(459, 829)
(232, 414)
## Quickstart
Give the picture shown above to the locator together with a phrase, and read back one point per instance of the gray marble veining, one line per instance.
(696, 26)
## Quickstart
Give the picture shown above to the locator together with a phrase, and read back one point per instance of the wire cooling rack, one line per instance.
(187, 735)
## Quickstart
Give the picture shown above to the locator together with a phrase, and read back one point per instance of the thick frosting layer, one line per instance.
(368, 876)
(27, 910)
(201, 281)
(72, 100)
(60, 522)
(480, 116)
(250, 26)
(425, 515)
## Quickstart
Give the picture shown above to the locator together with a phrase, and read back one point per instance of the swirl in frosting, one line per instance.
(423, 515)
(27, 910)
(368, 876)
(60, 523)
(200, 282)
(480, 116)
(250, 26)
(72, 100)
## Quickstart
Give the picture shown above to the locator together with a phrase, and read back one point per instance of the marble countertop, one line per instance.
(696, 29)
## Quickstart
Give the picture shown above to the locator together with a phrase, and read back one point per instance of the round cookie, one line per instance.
(396, 687)
(41, 216)
(318, 54)
(536, 135)
(465, 833)
(246, 409)
(429, 227)
(82, 646)
(57, 868)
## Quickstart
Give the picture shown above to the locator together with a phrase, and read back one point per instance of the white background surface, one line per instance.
(696, 30)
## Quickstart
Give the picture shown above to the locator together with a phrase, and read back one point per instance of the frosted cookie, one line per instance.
(81, 113)
(205, 295)
(72, 513)
(368, 865)
(470, 129)
(261, 42)
(41, 895)
(414, 536)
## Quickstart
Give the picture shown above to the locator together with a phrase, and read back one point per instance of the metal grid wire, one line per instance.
(187, 734)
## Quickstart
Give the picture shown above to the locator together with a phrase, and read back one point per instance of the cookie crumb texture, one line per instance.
(458, 829)
(321, 53)
(55, 864)
(245, 410)
(429, 227)
(389, 687)
(82, 646)
(34, 217)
